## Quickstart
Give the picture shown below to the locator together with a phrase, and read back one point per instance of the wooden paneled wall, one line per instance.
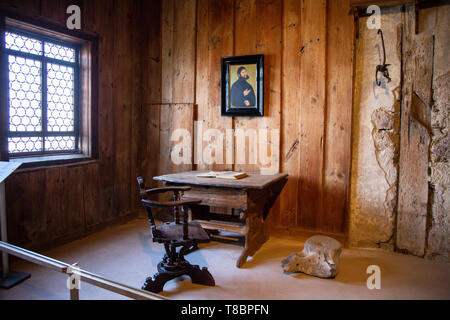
(47, 205)
(159, 70)
(308, 51)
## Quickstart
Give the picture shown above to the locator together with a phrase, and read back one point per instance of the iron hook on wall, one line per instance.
(382, 68)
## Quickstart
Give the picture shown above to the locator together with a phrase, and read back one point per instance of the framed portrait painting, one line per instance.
(242, 85)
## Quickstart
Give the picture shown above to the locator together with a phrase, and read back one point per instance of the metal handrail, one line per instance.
(76, 275)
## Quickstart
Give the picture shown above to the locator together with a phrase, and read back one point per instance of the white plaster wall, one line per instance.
(372, 220)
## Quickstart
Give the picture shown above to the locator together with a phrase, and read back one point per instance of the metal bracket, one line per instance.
(382, 68)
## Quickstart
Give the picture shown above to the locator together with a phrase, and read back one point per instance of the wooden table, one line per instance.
(248, 202)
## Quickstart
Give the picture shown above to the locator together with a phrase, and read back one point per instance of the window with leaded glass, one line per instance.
(43, 94)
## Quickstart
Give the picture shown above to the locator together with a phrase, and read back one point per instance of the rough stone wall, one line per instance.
(374, 180)
(376, 135)
(438, 245)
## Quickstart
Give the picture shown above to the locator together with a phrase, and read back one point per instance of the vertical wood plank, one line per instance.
(220, 44)
(414, 138)
(122, 101)
(246, 43)
(183, 68)
(167, 41)
(103, 10)
(151, 162)
(202, 78)
(137, 110)
(269, 43)
(151, 81)
(152, 51)
(339, 114)
(173, 117)
(290, 103)
(26, 219)
(312, 112)
(73, 207)
(97, 200)
(52, 202)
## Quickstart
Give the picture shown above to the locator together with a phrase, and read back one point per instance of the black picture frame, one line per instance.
(251, 101)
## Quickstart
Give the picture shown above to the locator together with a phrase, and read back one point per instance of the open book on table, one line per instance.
(223, 175)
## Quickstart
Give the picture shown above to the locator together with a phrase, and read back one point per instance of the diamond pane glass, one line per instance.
(60, 98)
(24, 94)
(59, 143)
(55, 51)
(21, 43)
(25, 144)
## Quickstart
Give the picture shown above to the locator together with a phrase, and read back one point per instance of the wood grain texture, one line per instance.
(184, 52)
(338, 120)
(154, 54)
(175, 117)
(246, 42)
(45, 205)
(178, 51)
(252, 181)
(167, 34)
(151, 92)
(220, 44)
(123, 102)
(415, 138)
(312, 112)
(290, 124)
(224, 198)
(260, 32)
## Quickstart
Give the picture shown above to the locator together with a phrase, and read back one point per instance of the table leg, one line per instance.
(257, 232)
(256, 235)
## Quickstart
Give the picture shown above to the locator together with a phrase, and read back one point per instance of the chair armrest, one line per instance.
(166, 189)
(157, 204)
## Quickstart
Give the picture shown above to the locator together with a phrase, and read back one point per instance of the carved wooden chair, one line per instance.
(179, 233)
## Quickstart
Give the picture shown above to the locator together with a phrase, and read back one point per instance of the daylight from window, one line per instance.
(42, 96)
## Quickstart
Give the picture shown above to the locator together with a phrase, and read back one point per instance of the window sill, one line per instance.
(42, 162)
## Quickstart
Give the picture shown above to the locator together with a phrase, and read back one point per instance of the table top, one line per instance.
(252, 181)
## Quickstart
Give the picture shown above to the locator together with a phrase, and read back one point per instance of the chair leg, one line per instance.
(156, 283)
(174, 265)
(200, 276)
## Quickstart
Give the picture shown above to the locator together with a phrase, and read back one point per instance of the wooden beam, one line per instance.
(391, 3)
(380, 3)
(415, 138)
(86, 276)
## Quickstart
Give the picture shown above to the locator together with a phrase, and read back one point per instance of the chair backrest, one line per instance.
(142, 188)
(177, 204)
(143, 194)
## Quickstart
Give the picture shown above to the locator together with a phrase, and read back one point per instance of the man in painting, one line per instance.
(242, 93)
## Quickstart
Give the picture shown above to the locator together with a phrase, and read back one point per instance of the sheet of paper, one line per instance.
(6, 168)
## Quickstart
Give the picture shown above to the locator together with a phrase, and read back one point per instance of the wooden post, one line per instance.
(5, 264)
(74, 282)
(9, 278)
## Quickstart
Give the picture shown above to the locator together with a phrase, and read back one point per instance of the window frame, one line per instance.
(44, 88)
(86, 78)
